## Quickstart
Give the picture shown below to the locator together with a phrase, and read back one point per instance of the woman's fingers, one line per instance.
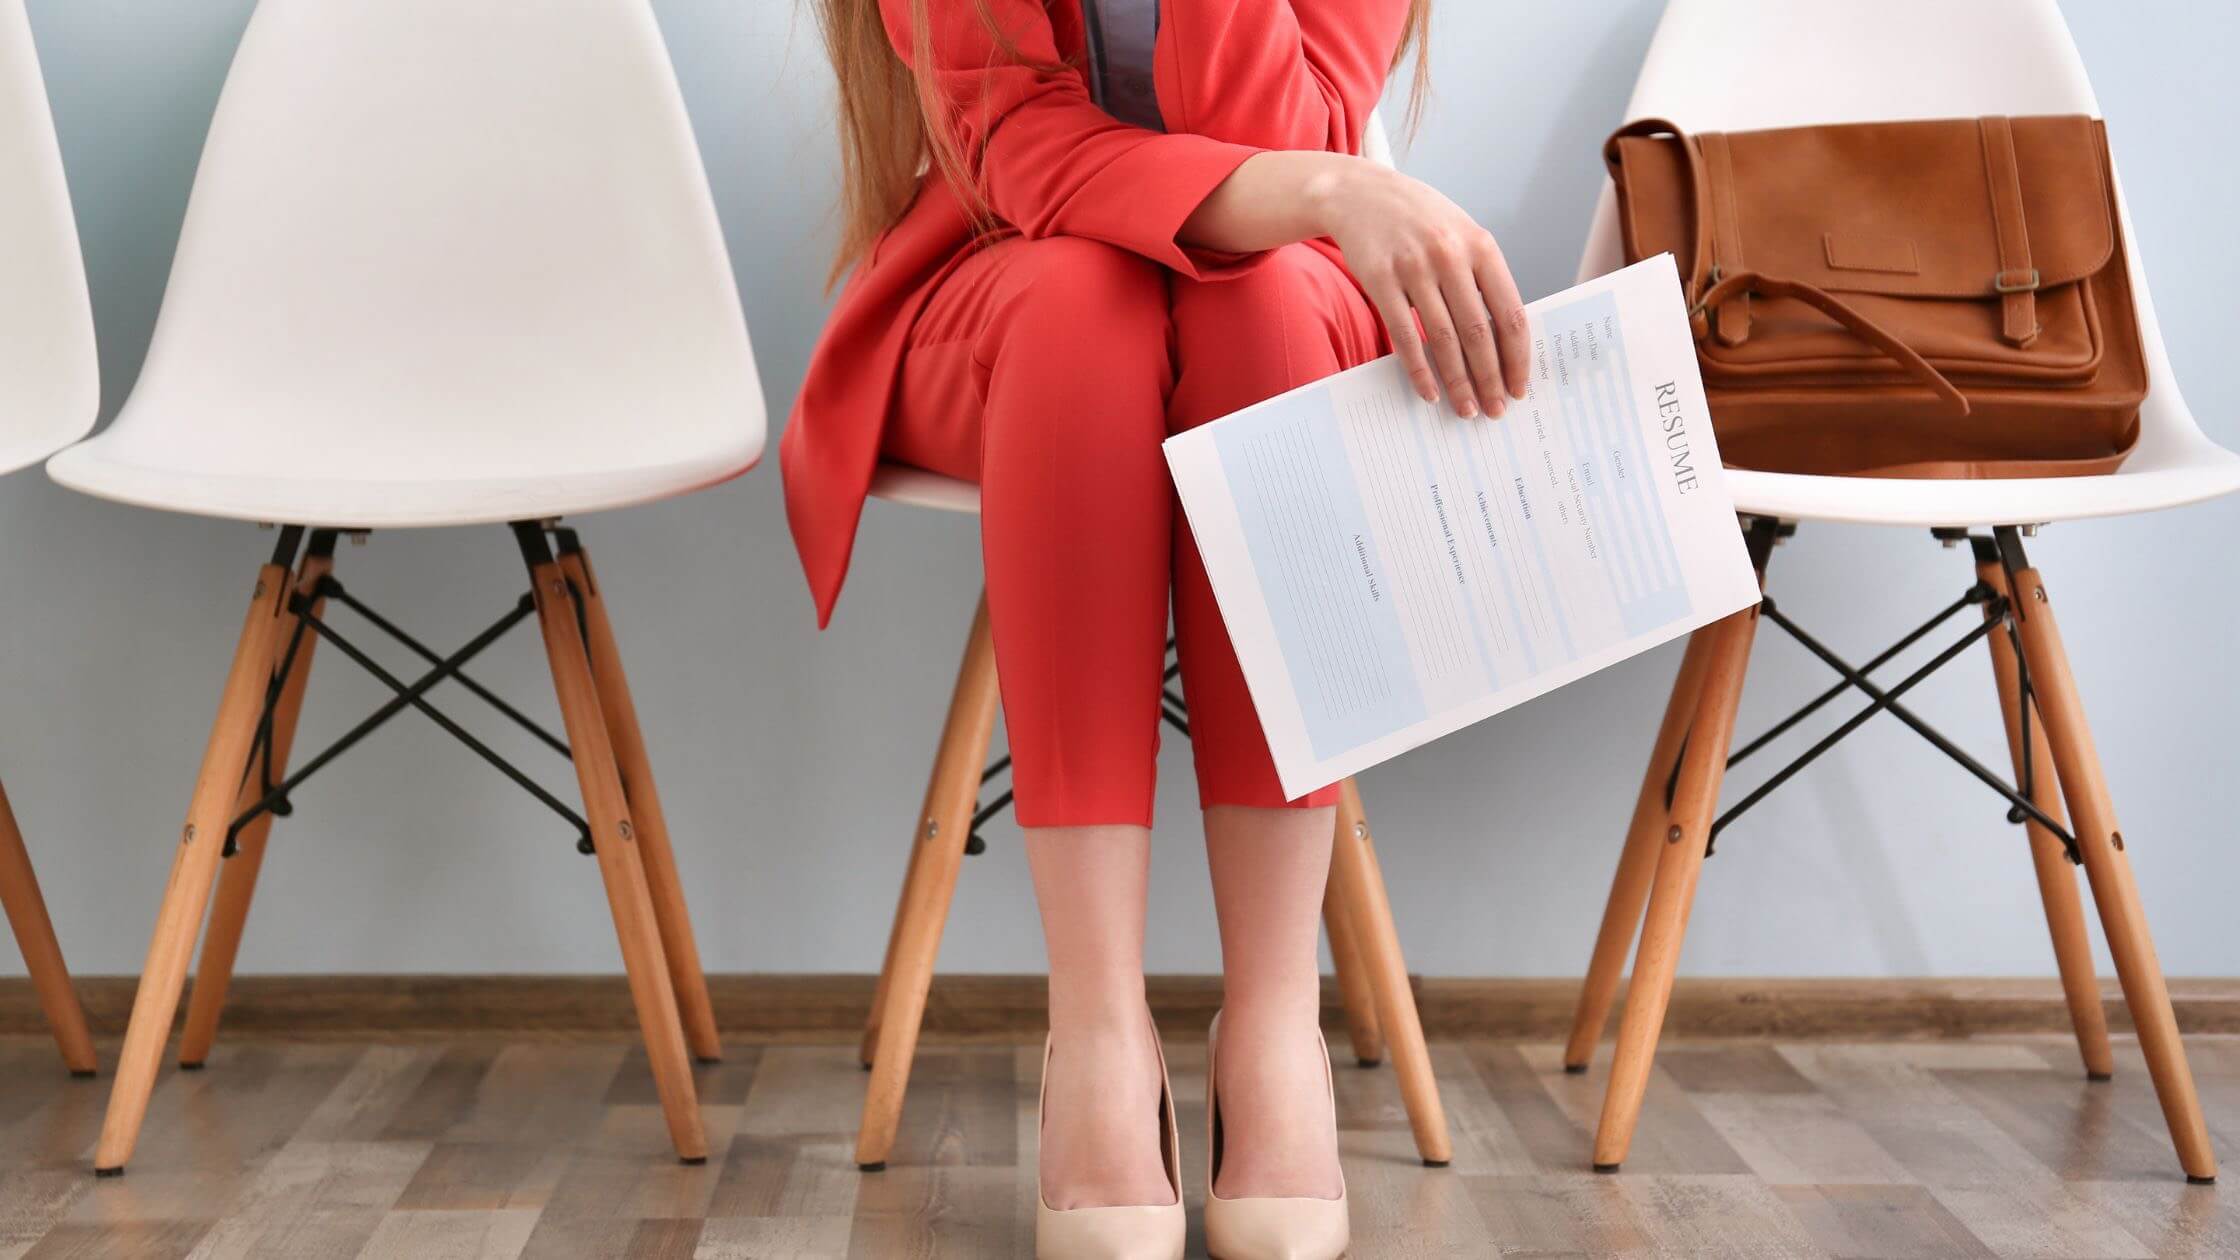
(1499, 291)
(1480, 347)
(1446, 343)
(1400, 329)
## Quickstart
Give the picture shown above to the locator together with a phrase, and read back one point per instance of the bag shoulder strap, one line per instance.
(1859, 325)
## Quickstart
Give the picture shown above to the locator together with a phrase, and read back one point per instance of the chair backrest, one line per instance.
(1376, 142)
(50, 377)
(1737, 65)
(448, 239)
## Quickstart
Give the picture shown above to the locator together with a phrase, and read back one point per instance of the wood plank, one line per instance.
(1728, 1216)
(1556, 1215)
(776, 1237)
(808, 1178)
(1551, 1138)
(1790, 1139)
(1993, 1184)
(961, 1109)
(944, 1211)
(1674, 1136)
(498, 1235)
(314, 1200)
(32, 1200)
(1880, 1223)
(804, 1091)
(2175, 1220)
(766, 1008)
(575, 1239)
(1409, 1210)
(536, 1092)
(483, 1177)
(1486, 1144)
(2082, 1130)
(601, 1187)
(140, 1240)
(368, 1101)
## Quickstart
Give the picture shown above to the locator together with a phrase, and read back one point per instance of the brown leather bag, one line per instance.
(1917, 299)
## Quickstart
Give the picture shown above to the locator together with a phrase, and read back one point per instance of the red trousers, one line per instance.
(1048, 372)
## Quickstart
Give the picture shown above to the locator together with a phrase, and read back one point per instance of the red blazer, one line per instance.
(1234, 77)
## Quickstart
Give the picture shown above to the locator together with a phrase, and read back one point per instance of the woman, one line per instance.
(1043, 288)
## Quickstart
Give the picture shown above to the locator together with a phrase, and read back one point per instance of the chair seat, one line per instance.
(22, 450)
(915, 487)
(2200, 472)
(424, 500)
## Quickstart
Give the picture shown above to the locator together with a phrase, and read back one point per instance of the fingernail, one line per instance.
(1466, 409)
(1496, 407)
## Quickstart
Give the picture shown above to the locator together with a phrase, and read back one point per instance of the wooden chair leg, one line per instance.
(654, 852)
(1695, 802)
(1355, 988)
(913, 876)
(1637, 864)
(943, 826)
(237, 877)
(194, 867)
(616, 838)
(42, 954)
(1361, 887)
(2123, 919)
(2057, 884)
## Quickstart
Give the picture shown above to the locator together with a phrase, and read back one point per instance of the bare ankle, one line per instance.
(1098, 1006)
(1289, 1009)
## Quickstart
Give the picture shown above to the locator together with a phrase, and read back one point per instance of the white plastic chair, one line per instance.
(1372, 973)
(50, 388)
(447, 262)
(1728, 65)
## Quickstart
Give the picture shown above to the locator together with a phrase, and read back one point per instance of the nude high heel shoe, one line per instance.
(1153, 1232)
(1268, 1229)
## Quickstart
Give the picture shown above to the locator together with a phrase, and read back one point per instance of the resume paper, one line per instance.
(1390, 572)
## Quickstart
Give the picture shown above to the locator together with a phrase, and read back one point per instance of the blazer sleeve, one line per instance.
(1276, 74)
(1048, 160)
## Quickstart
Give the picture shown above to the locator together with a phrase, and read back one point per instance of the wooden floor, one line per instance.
(556, 1149)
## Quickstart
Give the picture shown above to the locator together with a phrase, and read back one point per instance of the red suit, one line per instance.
(1048, 366)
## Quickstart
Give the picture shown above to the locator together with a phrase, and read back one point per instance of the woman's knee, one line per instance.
(1081, 367)
(1078, 296)
(1291, 320)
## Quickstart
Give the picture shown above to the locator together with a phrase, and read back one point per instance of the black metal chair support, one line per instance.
(2021, 806)
(1976, 595)
(276, 798)
(428, 654)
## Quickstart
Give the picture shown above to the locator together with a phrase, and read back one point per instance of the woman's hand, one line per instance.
(1417, 254)
(1420, 257)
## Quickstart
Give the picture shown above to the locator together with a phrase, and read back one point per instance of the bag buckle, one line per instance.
(2028, 283)
(1710, 282)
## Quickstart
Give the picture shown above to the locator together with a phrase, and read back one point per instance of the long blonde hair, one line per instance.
(886, 134)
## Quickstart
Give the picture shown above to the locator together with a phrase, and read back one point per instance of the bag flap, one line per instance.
(1901, 209)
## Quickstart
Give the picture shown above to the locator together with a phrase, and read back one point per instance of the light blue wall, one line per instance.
(793, 762)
